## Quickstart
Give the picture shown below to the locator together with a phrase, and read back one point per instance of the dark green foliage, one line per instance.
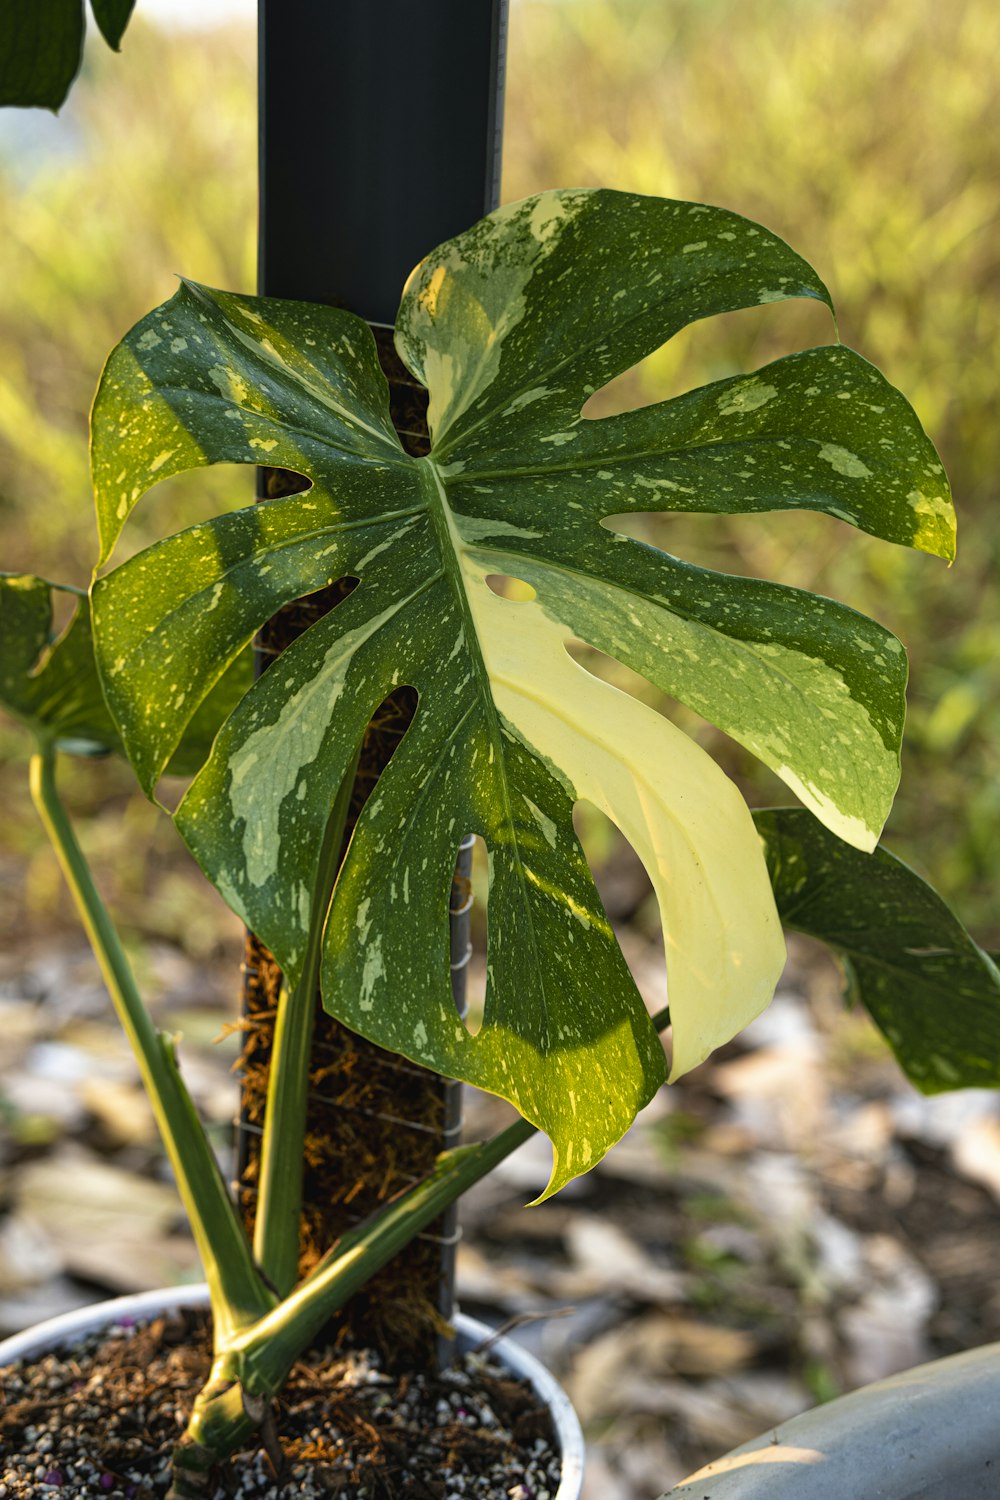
(933, 992)
(112, 16)
(41, 46)
(50, 682)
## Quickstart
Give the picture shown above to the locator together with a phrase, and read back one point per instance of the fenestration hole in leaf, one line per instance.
(799, 549)
(733, 343)
(386, 729)
(475, 889)
(505, 586)
(199, 495)
(292, 621)
(759, 784)
(274, 484)
(623, 885)
(609, 670)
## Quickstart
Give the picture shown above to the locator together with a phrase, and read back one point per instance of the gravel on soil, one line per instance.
(99, 1420)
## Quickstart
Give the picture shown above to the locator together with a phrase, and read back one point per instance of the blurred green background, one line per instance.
(863, 134)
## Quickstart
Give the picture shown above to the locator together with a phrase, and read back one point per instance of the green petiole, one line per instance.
(279, 1201)
(239, 1294)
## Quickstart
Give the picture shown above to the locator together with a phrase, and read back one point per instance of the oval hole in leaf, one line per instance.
(505, 586)
(733, 343)
(273, 484)
(477, 889)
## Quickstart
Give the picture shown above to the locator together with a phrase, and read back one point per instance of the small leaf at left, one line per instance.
(49, 679)
(50, 682)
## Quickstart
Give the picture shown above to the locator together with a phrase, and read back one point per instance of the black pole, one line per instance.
(380, 133)
(380, 130)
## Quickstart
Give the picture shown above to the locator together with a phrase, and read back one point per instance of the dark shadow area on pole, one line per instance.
(380, 129)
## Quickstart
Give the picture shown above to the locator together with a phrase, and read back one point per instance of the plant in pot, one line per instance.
(474, 569)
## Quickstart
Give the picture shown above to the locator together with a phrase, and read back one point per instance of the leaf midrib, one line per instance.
(450, 544)
(609, 460)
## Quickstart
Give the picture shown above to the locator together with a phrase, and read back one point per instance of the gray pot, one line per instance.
(932, 1433)
(470, 1332)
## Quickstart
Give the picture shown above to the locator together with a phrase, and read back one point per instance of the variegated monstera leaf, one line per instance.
(511, 326)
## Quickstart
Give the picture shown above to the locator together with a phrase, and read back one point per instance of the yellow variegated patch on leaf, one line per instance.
(685, 819)
(512, 326)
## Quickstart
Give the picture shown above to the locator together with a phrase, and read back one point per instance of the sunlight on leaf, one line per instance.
(512, 326)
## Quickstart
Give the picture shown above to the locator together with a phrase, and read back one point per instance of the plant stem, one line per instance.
(256, 1362)
(279, 1200)
(268, 1350)
(218, 1424)
(239, 1295)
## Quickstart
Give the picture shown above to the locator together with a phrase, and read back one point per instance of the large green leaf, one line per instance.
(929, 988)
(41, 46)
(512, 326)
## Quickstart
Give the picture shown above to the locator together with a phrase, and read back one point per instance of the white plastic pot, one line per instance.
(932, 1433)
(469, 1334)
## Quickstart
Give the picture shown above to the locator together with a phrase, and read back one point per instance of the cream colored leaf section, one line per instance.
(684, 818)
(479, 303)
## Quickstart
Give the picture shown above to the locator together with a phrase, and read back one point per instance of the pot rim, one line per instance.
(924, 1433)
(470, 1332)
